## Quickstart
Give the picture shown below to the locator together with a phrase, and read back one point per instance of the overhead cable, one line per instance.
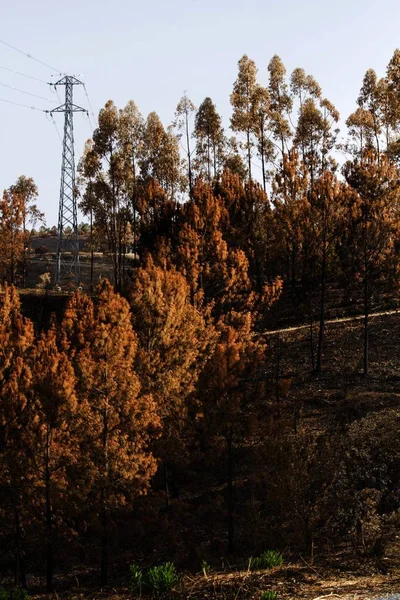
(11, 87)
(28, 55)
(23, 74)
(24, 105)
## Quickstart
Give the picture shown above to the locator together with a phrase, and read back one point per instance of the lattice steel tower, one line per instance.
(67, 261)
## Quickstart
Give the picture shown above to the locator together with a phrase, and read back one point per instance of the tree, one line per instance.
(160, 158)
(118, 419)
(249, 226)
(315, 136)
(280, 102)
(289, 195)
(324, 213)
(369, 100)
(132, 129)
(27, 190)
(209, 137)
(175, 339)
(370, 229)
(183, 114)
(232, 392)
(12, 239)
(242, 100)
(261, 116)
(217, 273)
(16, 338)
(53, 422)
(106, 172)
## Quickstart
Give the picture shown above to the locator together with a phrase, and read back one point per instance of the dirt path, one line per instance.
(333, 322)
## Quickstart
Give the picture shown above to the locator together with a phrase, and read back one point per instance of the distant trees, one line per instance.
(17, 212)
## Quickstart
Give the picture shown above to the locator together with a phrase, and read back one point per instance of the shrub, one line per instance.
(267, 560)
(13, 594)
(157, 580)
(161, 578)
(271, 595)
(136, 578)
(205, 568)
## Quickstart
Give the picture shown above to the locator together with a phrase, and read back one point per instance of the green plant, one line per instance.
(271, 595)
(136, 578)
(13, 594)
(161, 578)
(267, 560)
(206, 568)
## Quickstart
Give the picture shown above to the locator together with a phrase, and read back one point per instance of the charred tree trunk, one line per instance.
(103, 505)
(322, 310)
(230, 489)
(20, 571)
(49, 518)
(91, 250)
(249, 154)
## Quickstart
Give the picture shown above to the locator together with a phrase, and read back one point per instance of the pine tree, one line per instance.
(174, 341)
(232, 392)
(16, 338)
(52, 439)
(117, 418)
(370, 229)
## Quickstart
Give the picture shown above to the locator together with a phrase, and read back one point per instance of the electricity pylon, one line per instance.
(67, 260)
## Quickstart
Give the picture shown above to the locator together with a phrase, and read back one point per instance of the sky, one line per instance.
(153, 51)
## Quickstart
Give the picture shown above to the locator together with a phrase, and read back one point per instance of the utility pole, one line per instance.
(67, 260)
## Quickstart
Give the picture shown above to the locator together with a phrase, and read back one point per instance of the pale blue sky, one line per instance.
(152, 51)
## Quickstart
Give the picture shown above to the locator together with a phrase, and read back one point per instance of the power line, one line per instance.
(89, 122)
(23, 74)
(90, 106)
(31, 57)
(58, 95)
(24, 105)
(56, 128)
(11, 87)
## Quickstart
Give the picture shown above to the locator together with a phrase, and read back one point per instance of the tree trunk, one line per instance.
(49, 519)
(91, 251)
(104, 538)
(322, 310)
(278, 372)
(230, 490)
(165, 468)
(263, 163)
(103, 505)
(20, 572)
(366, 324)
(312, 342)
(366, 298)
(249, 153)
(208, 156)
(189, 157)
